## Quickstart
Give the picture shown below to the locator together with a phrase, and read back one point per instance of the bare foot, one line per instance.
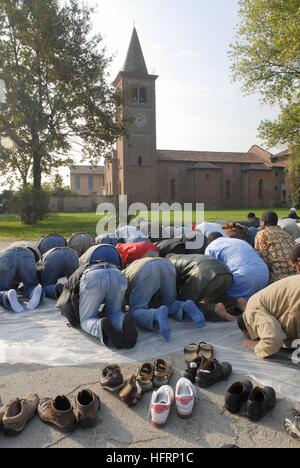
(242, 304)
(223, 314)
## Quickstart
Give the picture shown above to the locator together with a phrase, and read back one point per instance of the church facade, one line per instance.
(145, 174)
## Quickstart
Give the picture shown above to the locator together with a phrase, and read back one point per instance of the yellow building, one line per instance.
(87, 180)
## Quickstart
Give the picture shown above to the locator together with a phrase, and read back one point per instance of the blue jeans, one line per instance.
(158, 276)
(101, 286)
(19, 264)
(51, 242)
(57, 263)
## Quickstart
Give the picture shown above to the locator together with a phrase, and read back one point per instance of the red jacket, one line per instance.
(135, 251)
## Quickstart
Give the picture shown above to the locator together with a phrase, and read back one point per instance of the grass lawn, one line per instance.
(69, 223)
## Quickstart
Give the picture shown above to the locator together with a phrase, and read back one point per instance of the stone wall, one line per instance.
(77, 204)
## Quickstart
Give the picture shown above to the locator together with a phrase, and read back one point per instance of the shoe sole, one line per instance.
(129, 332)
(113, 390)
(114, 337)
(159, 426)
(184, 416)
(12, 432)
(64, 430)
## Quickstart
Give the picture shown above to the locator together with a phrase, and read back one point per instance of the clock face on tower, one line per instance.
(139, 120)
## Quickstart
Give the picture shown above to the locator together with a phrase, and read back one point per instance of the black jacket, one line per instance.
(196, 275)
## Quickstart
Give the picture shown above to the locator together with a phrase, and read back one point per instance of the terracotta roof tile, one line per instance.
(87, 170)
(211, 157)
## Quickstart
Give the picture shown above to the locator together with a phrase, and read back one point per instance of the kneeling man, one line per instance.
(152, 296)
(272, 316)
(90, 288)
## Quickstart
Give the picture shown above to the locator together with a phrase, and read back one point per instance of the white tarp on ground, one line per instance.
(43, 337)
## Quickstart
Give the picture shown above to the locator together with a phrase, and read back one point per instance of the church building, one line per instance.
(146, 174)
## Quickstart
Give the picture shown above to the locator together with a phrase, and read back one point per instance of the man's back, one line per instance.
(236, 254)
(274, 245)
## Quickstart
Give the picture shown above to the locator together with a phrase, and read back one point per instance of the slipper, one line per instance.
(132, 392)
(162, 373)
(206, 350)
(191, 352)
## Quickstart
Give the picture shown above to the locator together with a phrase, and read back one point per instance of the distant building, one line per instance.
(218, 179)
(87, 180)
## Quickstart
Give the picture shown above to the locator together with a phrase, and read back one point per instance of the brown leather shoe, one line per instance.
(132, 392)
(111, 378)
(87, 405)
(59, 413)
(18, 413)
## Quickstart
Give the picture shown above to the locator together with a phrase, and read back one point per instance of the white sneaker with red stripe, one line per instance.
(161, 403)
(185, 397)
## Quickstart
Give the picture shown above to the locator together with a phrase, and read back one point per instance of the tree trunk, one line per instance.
(37, 172)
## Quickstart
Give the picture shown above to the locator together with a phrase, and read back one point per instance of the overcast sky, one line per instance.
(186, 43)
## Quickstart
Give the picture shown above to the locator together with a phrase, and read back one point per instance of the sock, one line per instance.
(161, 317)
(35, 299)
(14, 301)
(194, 313)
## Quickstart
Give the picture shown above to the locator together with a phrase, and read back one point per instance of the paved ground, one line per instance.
(119, 426)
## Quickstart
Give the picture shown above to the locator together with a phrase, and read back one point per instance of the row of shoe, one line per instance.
(207, 372)
(130, 390)
(162, 400)
(58, 412)
(202, 368)
(258, 401)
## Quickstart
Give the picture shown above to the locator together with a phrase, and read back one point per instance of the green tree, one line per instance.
(56, 94)
(266, 59)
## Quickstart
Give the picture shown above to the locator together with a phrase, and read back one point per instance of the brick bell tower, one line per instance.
(136, 152)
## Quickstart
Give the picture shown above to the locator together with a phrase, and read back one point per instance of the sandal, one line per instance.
(145, 376)
(293, 427)
(206, 350)
(193, 351)
(132, 392)
(162, 373)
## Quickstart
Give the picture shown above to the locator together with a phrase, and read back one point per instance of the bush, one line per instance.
(296, 198)
(30, 204)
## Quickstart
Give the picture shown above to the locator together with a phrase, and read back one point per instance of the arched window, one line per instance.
(135, 95)
(228, 189)
(261, 189)
(142, 95)
(173, 189)
(139, 95)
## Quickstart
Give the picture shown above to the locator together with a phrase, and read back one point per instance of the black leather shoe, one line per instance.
(236, 395)
(129, 331)
(212, 372)
(192, 368)
(260, 402)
